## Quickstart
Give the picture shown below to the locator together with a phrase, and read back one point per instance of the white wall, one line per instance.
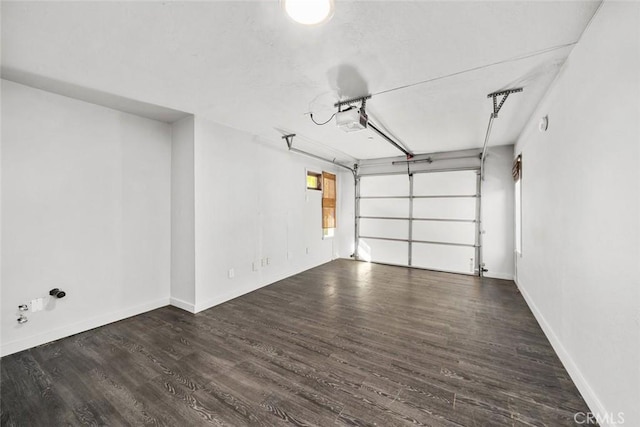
(251, 203)
(86, 208)
(497, 212)
(183, 281)
(580, 265)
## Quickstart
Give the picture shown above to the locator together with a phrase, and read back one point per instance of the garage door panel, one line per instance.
(395, 229)
(454, 208)
(445, 183)
(458, 259)
(439, 231)
(382, 196)
(384, 251)
(385, 207)
(391, 185)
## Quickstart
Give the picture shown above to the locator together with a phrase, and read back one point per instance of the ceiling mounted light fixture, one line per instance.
(309, 12)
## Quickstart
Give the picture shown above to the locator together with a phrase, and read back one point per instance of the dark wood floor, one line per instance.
(345, 343)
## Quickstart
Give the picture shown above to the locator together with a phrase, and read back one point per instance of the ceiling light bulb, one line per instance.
(309, 12)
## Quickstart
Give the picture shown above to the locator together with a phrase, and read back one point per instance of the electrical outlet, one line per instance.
(263, 262)
(308, 251)
(232, 273)
(268, 260)
(254, 266)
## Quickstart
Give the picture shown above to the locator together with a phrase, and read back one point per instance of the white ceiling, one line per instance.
(246, 65)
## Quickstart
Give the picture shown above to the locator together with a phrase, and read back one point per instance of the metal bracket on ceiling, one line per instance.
(505, 94)
(496, 108)
(289, 139)
(362, 99)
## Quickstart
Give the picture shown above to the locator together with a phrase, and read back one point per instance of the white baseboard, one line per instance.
(75, 328)
(504, 276)
(187, 306)
(228, 296)
(589, 396)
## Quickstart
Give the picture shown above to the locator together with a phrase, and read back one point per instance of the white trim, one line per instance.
(504, 276)
(590, 397)
(228, 296)
(187, 306)
(82, 326)
(217, 300)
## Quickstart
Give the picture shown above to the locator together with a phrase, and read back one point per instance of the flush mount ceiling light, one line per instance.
(309, 12)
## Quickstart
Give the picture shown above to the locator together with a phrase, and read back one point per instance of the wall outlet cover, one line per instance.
(37, 304)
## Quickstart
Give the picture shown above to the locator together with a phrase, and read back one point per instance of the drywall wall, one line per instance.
(253, 214)
(183, 279)
(497, 212)
(580, 264)
(85, 208)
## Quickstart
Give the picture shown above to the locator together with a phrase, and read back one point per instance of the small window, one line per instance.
(314, 181)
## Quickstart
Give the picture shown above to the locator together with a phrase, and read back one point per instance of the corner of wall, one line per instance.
(569, 364)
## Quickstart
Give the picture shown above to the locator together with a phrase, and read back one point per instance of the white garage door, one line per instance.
(426, 220)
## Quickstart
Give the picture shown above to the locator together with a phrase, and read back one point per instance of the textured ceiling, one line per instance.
(246, 65)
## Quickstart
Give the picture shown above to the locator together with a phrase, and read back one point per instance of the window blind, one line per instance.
(516, 170)
(328, 200)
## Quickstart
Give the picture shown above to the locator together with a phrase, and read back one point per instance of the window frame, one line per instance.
(318, 176)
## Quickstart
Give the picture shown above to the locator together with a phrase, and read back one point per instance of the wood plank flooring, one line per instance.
(345, 343)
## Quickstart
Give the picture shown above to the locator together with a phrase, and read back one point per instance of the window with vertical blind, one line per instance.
(516, 169)
(328, 204)
(517, 177)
